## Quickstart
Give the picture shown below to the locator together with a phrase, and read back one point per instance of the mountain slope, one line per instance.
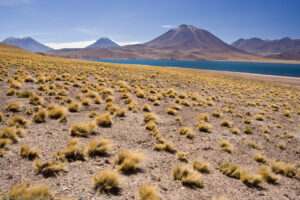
(185, 42)
(256, 45)
(103, 42)
(27, 43)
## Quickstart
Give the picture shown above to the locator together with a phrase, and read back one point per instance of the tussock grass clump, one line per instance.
(84, 129)
(251, 180)
(217, 113)
(56, 112)
(204, 127)
(201, 166)
(267, 175)
(13, 107)
(48, 168)
(226, 146)
(35, 100)
(17, 121)
(74, 107)
(234, 130)
(11, 133)
(146, 108)
(254, 145)
(166, 146)
(203, 117)
(1, 116)
(226, 123)
(99, 147)
(128, 161)
(85, 101)
(248, 130)
(151, 126)
(281, 145)
(260, 158)
(27, 152)
(104, 120)
(171, 111)
(27, 192)
(230, 170)
(148, 192)
(189, 133)
(259, 118)
(121, 112)
(187, 176)
(10, 92)
(40, 116)
(177, 119)
(150, 117)
(24, 94)
(107, 181)
(182, 156)
(74, 151)
(285, 169)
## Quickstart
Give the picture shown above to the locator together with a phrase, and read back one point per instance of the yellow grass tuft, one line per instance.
(17, 121)
(150, 117)
(13, 107)
(286, 169)
(104, 120)
(148, 192)
(74, 106)
(48, 168)
(27, 152)
(166, 146)
(201, 166)
(187, 176)
(230, 170)
(226, 146)
(56, 112)
(74, 151)
(84, 129)
(128, 161)
(40, 116)
(27, 192)
(204, 127)
(106, 180)
(99, 147)
(182, 156)
(251, 180)
(267, 175)
(260, 158)
(189, 133)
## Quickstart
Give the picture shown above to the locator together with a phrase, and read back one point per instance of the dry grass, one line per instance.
(48, 168)
(285, 169)
(27, 192)
(73, 151)
(182, 157)
(13, 107)
(204, 127)
(40, 116)
(107, 181)
(121, 112)
(74, 107)
(84, 129)
(226, 123)
(260, 158)
(254, 145)
(230, 170)
(171, 111)
(148, 192)
(189, 133)
(226, 146)
(128, 161)
(201, 166)
(150, 117)
(267, 175)
(27, 152)
(104, 120)
(146, 108)
(251, 180)
(166, 146)
(187, 176)
(56, 112)
(99, 147)
(17, 121)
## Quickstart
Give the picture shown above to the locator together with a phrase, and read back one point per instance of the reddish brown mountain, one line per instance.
(183, 42)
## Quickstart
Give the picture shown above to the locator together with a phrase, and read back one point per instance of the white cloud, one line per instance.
(79, 44)
(128, 43)
(83, 44)
(14, 2)
(167, 26)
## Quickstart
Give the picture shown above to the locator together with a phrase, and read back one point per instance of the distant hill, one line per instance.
(27, 43)
(103, 42)
(256, 45)
(185, 42)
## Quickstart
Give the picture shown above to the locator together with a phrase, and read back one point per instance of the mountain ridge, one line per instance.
(103, 42)
(27, 43)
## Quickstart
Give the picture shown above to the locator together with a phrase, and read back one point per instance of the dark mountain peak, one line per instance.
(257, 45)
(27, 43)
(103, 42)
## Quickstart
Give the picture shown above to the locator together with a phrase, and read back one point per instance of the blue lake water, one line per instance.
(278, 69)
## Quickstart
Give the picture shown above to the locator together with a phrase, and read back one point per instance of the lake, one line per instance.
(278, 69)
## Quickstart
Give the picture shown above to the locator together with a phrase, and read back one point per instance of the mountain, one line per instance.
(27, 43)
(103, 42)
(185, 42)
(256, 45)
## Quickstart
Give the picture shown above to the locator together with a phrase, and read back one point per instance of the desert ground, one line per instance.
(85, 130)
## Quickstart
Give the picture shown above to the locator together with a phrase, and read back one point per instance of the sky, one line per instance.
(78, 23)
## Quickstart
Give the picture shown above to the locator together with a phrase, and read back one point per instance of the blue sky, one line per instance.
(76, 23)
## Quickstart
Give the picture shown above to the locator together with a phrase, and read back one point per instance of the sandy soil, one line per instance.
(130, 133)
